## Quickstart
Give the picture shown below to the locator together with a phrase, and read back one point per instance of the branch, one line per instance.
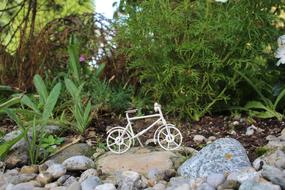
(13, 18)
(13, 7)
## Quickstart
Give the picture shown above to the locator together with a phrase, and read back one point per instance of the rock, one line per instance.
(33, 169)
(128, 180)
(275, 144)
(106, 186)
(249, 131)
(276, 158)
(223, 155)
(206, 186)
(70, 180)
(176, 182)
(275, 175)
(16, 178)
(56, 170)
(140, 160)
(17, 158)
(59, 188)
(183, 187)
(90, 183)
(51, 129)
(156, 175)
(272, 138)
(51, 185)
(88, 173)
(74, 186)
(199, 138)
(235, 123)
(2, 167)
(44, 178)
(229, 184)
(20, 186)
(62, 179)
(211, 139)
(258, 185)
(12, 135)
(243, 175)
(215, 179)
(78, 163)
(159, 186)
(73, 150)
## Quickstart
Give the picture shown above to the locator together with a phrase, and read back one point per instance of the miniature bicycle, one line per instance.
(119, 139)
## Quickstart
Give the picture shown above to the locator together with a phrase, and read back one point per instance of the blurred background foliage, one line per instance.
(194, 57)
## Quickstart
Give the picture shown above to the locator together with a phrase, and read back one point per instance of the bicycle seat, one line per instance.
(156, 106)
(132, 111)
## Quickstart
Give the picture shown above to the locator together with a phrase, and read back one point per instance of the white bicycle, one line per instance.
(120, 139)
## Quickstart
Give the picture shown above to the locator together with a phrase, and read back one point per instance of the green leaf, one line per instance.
(28, 102)
(51, 102)
(99, 70)
(255, 105)
(279, 97)
(10, 102)
(87, 111)
(73, 52)
(12, 114)
(71, 88)
(41, 88)
(6, 146)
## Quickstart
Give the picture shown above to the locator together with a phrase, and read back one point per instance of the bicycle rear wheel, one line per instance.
(169, 137)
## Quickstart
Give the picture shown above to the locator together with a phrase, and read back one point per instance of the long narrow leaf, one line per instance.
(87, 111)
(71, 88)
(279, 97)
(6, 146)
(14, 117)
(41, 88)
(10, 102)
(51, 102)
(28, 102)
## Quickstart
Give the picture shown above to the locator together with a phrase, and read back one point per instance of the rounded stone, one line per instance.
(44, 178)
(88, 173)
(215, 179)
(90, 183)
(30, 169)
(225, 155)
(106, 186)
(56, 170)
(78, 163)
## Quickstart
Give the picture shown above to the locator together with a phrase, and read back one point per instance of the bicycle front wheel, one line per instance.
(169, 137)
(119, 142)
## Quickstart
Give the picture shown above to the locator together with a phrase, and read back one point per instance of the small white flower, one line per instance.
(281, 41)
(221, 1)
(280, 54)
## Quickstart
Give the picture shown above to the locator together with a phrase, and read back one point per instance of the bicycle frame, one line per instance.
(130, 119)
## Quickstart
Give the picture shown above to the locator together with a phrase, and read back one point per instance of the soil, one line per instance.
(218, 126)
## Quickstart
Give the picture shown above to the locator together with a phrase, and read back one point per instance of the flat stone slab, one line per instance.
(140, 160)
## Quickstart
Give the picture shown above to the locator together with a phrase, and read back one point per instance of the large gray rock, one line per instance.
(73, 150)
(106, 186)
(222, 156)
(275, 175)
(56, 170)
(140, 160)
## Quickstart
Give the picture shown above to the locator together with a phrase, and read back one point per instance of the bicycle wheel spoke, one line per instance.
(112, 138)
(164, 133)
(175, 143)
(168, 145)
(112, 144)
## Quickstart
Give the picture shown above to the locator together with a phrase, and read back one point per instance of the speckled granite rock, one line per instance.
(222, 156)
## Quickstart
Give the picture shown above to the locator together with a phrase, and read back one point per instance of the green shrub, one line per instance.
(185, 53)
